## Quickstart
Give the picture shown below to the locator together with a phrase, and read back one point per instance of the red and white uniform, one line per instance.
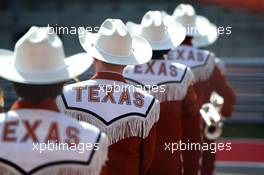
(208, 78)
(127, 115)
(171, 83)
(28, 132)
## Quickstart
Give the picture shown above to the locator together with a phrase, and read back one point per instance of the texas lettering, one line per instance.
(190, 55)
(11, 132)
(124, 96)
(156, 68)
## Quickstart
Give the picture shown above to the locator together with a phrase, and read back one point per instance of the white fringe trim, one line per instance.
(94, 168)
(123, 128)
(175, 91)
(204, 73)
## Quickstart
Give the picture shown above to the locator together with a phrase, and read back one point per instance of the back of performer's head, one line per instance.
(103, 66)
(187, 41)
(38, 93)
(159, 54)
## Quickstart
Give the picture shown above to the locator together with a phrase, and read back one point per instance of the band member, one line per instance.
(171, 83)
(35, 137)
(208, 76)
(126, 114)
(201, 42)
(2, 100)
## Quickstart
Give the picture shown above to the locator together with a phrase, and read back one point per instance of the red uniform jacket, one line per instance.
(208, 78)
(219, 84)
(178, 110)
(127, 117)
(27, 125)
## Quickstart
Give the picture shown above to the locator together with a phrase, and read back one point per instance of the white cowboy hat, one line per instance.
(114, 44)
(157, 32)
(208, 33)
(38, 58)
(185, 14)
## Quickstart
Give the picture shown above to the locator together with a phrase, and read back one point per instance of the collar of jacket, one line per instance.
(109, 76)
(48, 104)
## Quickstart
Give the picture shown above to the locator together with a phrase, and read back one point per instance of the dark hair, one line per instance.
(188, 37)
(158, 54)
(188, 40)
(38, 93)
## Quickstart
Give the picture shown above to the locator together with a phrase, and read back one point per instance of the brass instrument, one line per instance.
(217, 101)
(210, 112)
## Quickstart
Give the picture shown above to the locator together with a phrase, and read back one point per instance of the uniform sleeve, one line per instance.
(148, 149)
(190, 103)
(191, 131)
(220, 84)
(149, 142)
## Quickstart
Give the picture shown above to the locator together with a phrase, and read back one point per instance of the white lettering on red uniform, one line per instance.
(28, 138)
(117, 108)
(165, 80)
(201, 61)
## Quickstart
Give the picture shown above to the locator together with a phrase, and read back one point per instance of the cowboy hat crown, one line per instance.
(114, 31)
(35, 46)
(114, 44)
(185, 14)
(198, 27)
(154, 30)
(38, 58)
(161, 35)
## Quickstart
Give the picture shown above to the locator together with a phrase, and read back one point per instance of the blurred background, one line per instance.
(242, 51)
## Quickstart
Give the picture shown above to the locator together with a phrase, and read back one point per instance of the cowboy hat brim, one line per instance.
(141, 52)
(74, 66)
(176, 35)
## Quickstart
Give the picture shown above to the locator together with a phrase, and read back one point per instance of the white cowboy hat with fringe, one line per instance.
(160, 34)
(115, 45)
(38, 58)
